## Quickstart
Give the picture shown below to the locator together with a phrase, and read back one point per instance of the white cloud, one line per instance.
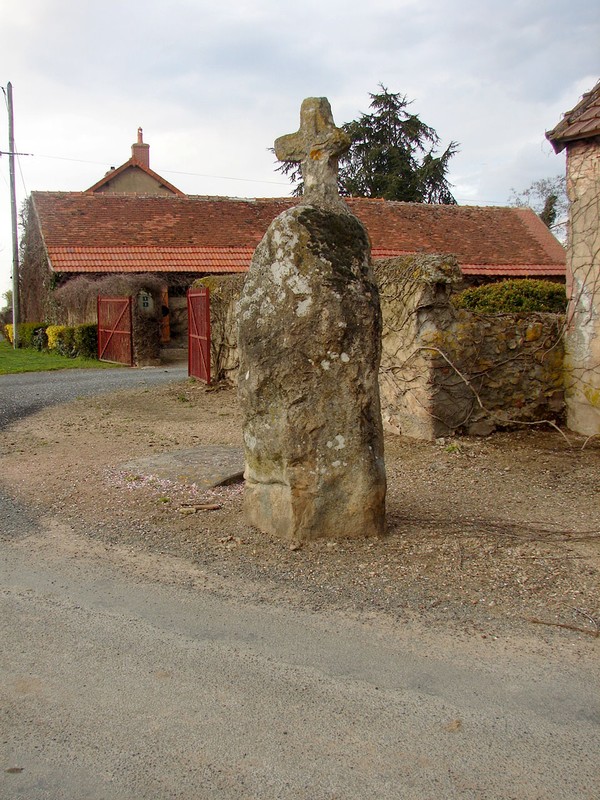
(213, 84)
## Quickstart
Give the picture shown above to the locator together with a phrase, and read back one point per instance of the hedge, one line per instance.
(513, 296)
(27, 331)
(61, 339)
(86, 340)
(81, 340)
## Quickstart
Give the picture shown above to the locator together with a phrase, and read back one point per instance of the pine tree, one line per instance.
(392, 155)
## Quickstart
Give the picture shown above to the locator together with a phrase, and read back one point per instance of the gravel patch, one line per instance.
(491, 536)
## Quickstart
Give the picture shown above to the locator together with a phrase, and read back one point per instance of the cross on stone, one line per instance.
(316, 146)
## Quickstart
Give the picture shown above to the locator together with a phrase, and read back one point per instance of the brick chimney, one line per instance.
(140, 152)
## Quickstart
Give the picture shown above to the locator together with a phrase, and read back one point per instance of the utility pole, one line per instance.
(13, 209)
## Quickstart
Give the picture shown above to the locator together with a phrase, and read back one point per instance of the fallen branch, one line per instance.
(194, 508)
(595, 634)
(589, 617)
(593, 436)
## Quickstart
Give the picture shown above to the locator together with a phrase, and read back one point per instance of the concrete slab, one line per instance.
(207, 465)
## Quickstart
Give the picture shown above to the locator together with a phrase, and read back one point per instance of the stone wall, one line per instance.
(446, 370)
(443, 370)
(225, 291)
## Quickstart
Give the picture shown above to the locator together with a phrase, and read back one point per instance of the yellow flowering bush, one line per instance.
(61, 339)
(55, 335)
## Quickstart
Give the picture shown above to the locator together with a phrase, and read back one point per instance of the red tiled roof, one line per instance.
(582, 122)
(132, 233)
(150, 259)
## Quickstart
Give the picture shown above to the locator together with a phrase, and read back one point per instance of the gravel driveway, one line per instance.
(150, 653)
(25, 393)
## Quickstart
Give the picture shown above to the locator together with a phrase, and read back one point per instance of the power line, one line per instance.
(162, 171)
(21, 171)
(66, 158)
(467, 200)
(224, 177)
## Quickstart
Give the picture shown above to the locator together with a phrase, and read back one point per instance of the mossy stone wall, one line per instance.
(446, 370)
(443, 370)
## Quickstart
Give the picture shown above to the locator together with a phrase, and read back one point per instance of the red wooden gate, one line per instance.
(115, 330)
(199, 334)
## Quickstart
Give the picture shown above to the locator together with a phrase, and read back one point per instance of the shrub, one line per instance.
(31, 334)
(61, 338)
(66, 345)
(39, 340)
(27, 332)
(54, 333)
(513, 296)
(86, 340)
(80, 340)
(77, 300)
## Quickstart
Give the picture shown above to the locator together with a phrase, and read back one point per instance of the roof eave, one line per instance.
(134, 163)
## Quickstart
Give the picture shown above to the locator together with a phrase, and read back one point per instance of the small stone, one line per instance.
(482, 427)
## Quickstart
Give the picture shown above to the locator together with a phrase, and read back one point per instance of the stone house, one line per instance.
(579, 133)
(134, 221)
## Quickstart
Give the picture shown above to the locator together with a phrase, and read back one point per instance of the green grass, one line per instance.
(28, 360)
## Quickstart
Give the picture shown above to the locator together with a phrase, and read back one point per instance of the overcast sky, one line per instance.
(214, 83)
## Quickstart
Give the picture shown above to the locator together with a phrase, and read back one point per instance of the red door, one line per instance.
(199, 334)
(115, 330)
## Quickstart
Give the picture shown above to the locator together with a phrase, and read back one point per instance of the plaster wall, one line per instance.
(582, 358)
(133, 181)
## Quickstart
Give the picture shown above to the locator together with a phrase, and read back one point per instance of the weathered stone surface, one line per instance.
(316, 146)
(422, 396)
(309, 339)
(209, 465)
(310, 344)
(582, 362)
(446, 370)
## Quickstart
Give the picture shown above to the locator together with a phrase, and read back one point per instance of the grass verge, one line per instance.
(28, 360)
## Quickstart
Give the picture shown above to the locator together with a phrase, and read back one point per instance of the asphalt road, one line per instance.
(28, 392)
(117, 688)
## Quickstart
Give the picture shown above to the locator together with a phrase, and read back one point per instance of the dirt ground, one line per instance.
(490, 536)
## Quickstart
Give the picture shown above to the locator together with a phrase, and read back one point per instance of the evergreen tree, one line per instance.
(392, 155)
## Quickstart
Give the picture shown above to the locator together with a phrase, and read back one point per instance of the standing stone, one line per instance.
(310, 344)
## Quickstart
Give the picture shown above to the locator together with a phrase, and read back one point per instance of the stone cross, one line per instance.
(316, 146)
(310, 345)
